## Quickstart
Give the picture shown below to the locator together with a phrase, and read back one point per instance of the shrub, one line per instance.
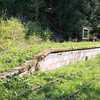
(33, 28)
(10, 30)
(47, 34)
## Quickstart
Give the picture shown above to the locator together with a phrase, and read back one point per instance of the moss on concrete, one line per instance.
(41, 55)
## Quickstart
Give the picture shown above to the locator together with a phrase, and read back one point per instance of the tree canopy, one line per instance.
(64, 17)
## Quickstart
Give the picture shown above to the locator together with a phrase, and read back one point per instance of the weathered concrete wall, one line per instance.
(54, 58)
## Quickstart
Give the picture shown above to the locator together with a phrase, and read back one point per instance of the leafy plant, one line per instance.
(10, 31)
(58, 90)
(16, 56)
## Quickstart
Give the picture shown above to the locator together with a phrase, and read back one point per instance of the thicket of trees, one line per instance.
(64, 17)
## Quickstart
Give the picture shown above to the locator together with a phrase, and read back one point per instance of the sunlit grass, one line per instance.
(58, 90)
(16, 56)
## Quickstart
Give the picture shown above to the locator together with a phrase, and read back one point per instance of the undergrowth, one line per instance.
(22, 41)
(17, 56)
(58, 90)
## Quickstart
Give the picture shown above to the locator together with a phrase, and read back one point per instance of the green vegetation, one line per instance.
(29, 26)
(92, 92)
(64, 17)
(58, 90)
(17, 56)
(15, 34)
(11, 31)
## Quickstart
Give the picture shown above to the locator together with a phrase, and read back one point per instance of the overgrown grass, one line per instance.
(16, 56)
(58, 90)
(92, 92)
(21, 41)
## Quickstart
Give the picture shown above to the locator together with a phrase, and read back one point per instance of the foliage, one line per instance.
(58, 90)
(65, 18)
(16, 56)
(10, 30)
(30, 9)
(14, 33)
(46, 34)
(33, 28)
(23, 37)
(74, 14)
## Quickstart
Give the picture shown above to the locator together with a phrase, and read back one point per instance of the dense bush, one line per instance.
(14, 33)
(10, 30)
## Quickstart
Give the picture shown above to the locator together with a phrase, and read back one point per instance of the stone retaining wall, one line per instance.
(56, 60)
(49, 59)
